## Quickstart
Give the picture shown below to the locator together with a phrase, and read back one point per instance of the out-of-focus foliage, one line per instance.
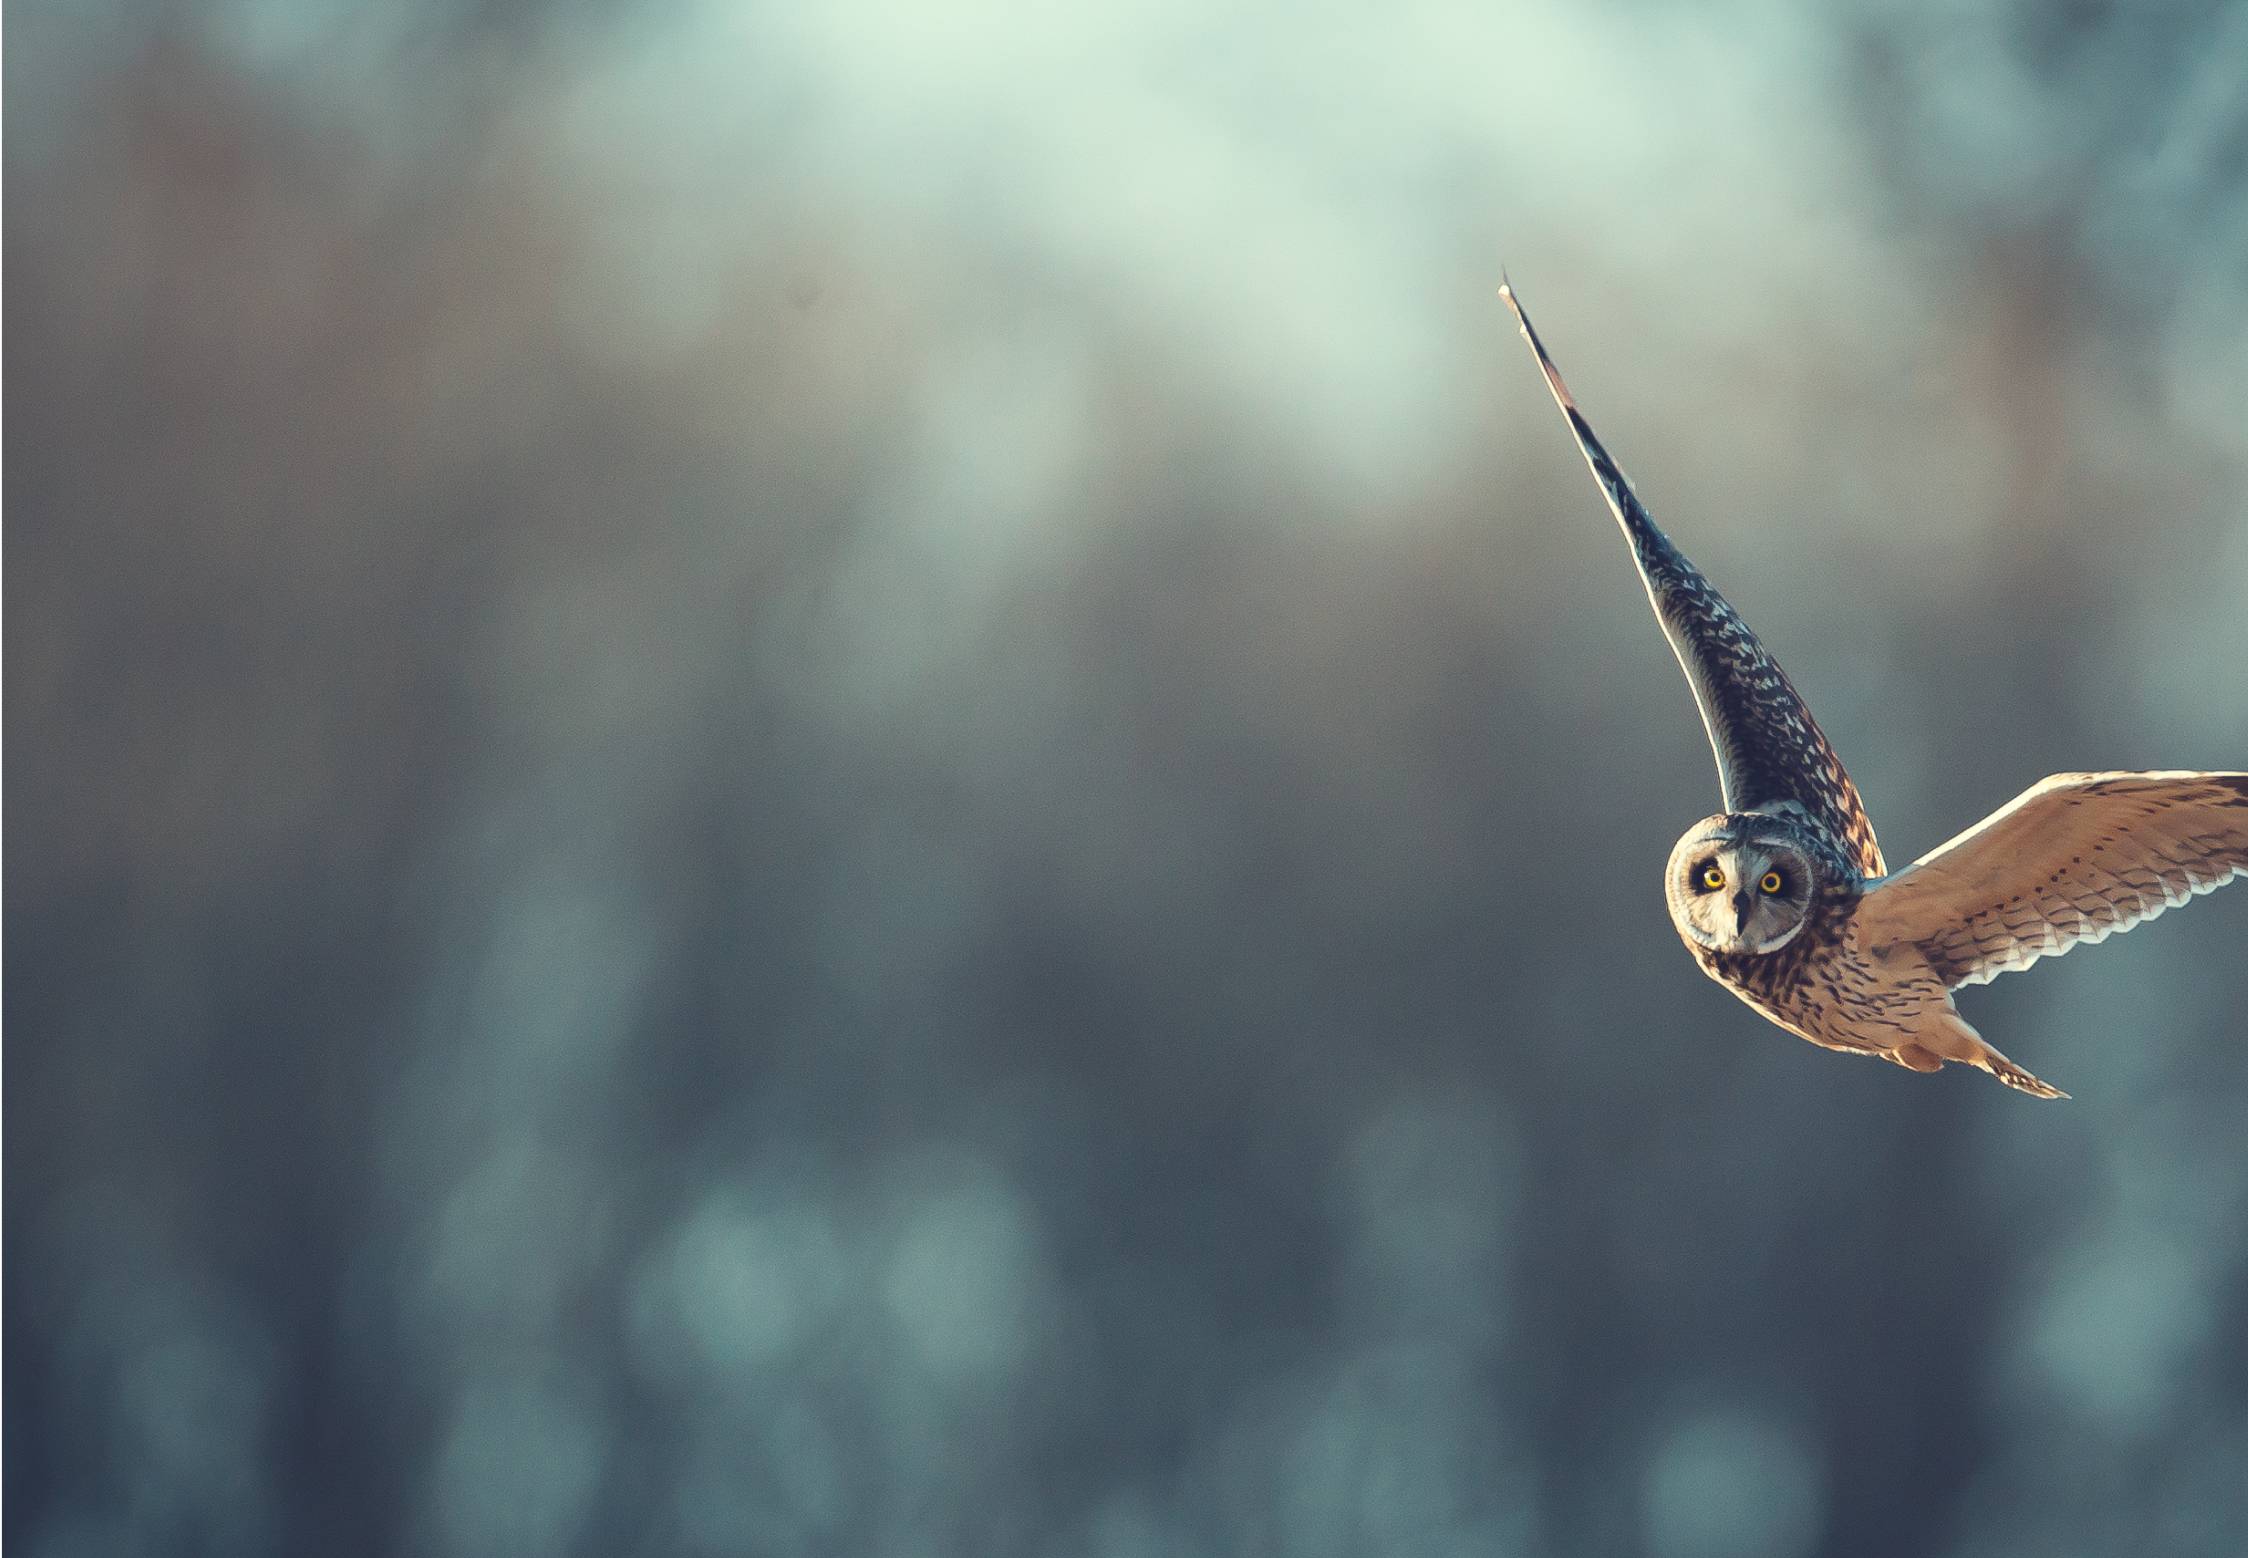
(867, 777)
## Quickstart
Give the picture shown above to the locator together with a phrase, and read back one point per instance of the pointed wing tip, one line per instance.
(1552, 374)
(1513, 303)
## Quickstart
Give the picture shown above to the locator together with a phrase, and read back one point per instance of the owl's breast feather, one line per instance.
(1820, 986)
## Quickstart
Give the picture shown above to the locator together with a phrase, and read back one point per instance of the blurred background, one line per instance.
(869, 778)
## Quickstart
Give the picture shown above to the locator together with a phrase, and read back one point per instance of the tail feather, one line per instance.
(1954, 1038)
(2015, 1077)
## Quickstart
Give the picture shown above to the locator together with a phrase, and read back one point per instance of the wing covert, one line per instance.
(2074, 859)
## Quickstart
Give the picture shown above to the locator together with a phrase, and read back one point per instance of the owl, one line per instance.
(1783, 896)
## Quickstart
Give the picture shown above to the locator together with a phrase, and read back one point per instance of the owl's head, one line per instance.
(1742, 882)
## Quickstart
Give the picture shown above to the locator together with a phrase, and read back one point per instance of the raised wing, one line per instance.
(1769, 749)
(2073, 859)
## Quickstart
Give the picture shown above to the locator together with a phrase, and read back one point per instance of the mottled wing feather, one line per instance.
(1769, 749)
(2072, 860)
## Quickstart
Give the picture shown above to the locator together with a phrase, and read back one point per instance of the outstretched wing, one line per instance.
(1769, 749)
(2073, 859)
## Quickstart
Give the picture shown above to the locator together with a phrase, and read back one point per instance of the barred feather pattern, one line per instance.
(2073, 860)
(1770, 751)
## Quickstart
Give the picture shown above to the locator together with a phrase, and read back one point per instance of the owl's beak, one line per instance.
(1740, 906)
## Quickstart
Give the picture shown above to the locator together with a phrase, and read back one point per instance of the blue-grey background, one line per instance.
(868, 778)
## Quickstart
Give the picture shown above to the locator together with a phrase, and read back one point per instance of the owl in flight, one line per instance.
(1783, 897)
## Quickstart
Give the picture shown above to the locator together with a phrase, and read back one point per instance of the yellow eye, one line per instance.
(1771, 882)
(1713, 879)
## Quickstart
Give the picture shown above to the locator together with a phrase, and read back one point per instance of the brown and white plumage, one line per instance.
(1783, 897)
(2070, 861)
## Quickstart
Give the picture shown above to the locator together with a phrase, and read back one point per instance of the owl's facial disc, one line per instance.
(1738, 889)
